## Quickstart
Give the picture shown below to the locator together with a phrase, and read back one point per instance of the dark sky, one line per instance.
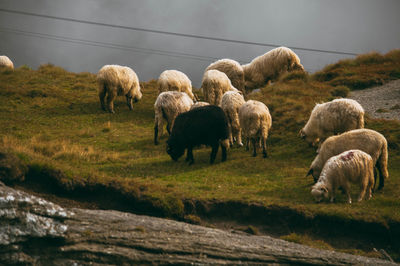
(349, 26)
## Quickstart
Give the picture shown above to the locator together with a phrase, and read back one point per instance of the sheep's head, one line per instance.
(315, 174)
(138, 95)
(311, 140)
(174, 150)
(319, 192)
(298, 67)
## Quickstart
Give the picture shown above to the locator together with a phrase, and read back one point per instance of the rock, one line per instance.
(35, 231)
(11, 168)
(381, 101)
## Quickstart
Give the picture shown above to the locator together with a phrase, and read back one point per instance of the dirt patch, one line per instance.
(380, 102)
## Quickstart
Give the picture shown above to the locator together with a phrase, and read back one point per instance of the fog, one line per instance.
(340, 29)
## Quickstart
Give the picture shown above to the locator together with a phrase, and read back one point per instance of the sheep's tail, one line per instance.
(234, 119)
(253, 126)
(360, 121)
(383, 162)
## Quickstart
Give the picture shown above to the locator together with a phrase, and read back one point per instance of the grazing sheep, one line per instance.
(198, 104)
(366, 140)
(168, 106)
(353, 166)
(332, 118)
(174, 80)
(215, 83)
(206, 125)
(255, 121)
(116, 80)
(5, 62)
(269, 66)
(232, 69)
(231, 102)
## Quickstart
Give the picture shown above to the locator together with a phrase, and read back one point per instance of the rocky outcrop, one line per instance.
(35, 231)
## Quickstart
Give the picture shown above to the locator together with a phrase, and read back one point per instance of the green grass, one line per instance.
(52, 118)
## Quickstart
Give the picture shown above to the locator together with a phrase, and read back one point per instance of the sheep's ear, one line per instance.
(324, 189)
(310, 172)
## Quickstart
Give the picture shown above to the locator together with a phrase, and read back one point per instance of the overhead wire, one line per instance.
(108, 45)
(170, 32)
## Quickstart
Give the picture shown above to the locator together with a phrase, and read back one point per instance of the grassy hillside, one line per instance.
(52, 119)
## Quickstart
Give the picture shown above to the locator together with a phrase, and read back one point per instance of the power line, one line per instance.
(109, 45)
(170, 33)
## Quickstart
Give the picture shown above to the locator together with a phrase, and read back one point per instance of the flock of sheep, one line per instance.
(347, 153)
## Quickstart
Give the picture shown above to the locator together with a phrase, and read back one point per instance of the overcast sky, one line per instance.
(345, 26)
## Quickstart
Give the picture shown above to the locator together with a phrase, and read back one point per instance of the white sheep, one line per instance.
(332, 118)
(353, 166)
(366, 140)
(255, 121)
(269, 66)
(5, 62)
(168, 106)
(232, 69)
(198, 104)
(214, 84)
(231, 102)
(174, 80)
(116, 80)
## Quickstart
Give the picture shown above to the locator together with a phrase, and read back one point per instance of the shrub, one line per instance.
(295, 75)
(340, 91)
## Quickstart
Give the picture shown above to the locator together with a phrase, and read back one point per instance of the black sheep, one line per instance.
(205, 125)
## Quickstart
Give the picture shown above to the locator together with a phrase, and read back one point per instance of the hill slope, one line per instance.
(52, 120)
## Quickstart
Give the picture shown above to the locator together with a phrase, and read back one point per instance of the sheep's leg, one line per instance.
(375, 176)
(362, 191)
(129, 102)
(247, 144)
(369, 190)
(230, 135)
(214, 151)
(371, 183)
(264, 144)
(156, 134)
(110, 100)
(239, 138)
(223, 150)
(333, 194)
(348, 198)
(347, 192)
(381, 177)
(189, 155)
(170, 126)
(102, 95)
(253, 140)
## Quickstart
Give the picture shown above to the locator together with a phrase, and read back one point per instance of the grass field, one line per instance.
(52, 119)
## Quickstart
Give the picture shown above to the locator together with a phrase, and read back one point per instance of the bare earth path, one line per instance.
(380, 102)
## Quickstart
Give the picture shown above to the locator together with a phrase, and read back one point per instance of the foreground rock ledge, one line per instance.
(35, 231)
